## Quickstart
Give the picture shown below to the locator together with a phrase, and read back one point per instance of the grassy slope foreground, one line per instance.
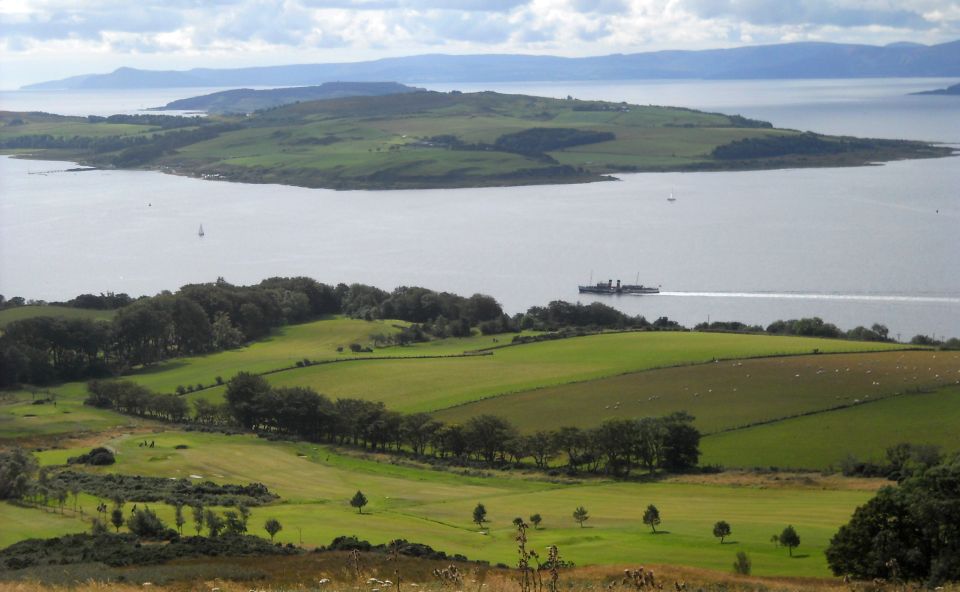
(435, 507)
(430, 139)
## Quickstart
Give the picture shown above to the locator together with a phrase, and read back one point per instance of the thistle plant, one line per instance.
(523, 556)
(553, 560)
(449, 575)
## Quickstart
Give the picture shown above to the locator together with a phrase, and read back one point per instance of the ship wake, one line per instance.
(931, 299)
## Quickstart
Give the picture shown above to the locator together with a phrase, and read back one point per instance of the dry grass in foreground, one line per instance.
(347, 572)
(783, 480)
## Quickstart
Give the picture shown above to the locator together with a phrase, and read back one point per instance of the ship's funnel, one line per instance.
(618, 284)
(609, 283)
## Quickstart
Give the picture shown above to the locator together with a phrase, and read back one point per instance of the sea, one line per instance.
(854, 246)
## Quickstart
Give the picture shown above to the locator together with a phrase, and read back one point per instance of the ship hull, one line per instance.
(612, 290)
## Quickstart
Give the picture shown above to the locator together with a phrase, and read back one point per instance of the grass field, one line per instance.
(17, 313)
(21, 522)
(823, 440)
(726, 394)
(428, 385)
(317, 340)
(20, 419)
(434, 506)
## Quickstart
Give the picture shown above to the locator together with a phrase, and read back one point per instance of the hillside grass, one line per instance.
(434, 507)
(316, 340)
(17, 313)
(724, 395)
(433, 384)
(22, 420)
(24, 522)
(374, 144)
(823, 440)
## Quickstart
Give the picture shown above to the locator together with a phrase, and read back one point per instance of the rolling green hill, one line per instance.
(431, 139)
(430, 384)
(246, 100)
(749, 392)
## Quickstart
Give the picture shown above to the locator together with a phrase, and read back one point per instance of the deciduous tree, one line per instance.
(651, 517)
(721, 530)
(581, 515)
(359, 501)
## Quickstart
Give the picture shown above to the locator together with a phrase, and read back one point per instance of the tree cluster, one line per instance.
(201, 318)
(901, 461)
(616, 447)
(782, 145)
(911, 532)
(559, 314)
(137, 488)
(539, 140)
(119, 550)
(131, 398)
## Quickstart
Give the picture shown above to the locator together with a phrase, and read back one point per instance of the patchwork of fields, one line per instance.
(760, 400)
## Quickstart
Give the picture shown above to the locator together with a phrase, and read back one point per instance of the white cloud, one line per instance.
(236, 32)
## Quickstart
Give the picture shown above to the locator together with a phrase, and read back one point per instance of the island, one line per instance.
(950, 90)
(439, 139)
(247, 100)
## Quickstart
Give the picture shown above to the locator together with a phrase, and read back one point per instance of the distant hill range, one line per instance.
(784, 61)
(950, 90)
(245, 100)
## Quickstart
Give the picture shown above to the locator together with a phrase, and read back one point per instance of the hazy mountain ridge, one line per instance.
(950, 90)
(246, 100)
(791, 60)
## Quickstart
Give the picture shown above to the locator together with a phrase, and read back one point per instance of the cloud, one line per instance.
(840, 13)
(284, 31)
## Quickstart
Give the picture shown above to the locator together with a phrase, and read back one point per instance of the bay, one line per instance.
(852, 245)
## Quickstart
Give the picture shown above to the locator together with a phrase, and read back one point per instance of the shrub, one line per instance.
(145, 523)
(742, 565)
(98, 457)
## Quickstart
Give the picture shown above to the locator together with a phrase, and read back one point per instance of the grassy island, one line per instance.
(432, 140)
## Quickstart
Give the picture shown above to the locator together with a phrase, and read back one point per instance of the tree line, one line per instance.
(203, 318)
(617, 447)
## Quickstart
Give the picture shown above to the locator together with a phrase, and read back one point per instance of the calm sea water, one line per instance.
(852, 245)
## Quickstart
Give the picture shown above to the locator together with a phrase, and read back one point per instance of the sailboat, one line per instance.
(671, 198)
(201, 233)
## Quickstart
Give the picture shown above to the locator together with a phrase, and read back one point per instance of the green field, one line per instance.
(21, 419)
(823, 440)
(317, 340)
(434, 506)
(726, 394)
(432, 384)
(18, 313)
(22, 522)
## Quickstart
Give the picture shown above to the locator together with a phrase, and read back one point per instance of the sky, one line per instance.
(48, 39)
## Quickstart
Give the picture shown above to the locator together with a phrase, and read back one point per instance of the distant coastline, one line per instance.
(953, 90)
